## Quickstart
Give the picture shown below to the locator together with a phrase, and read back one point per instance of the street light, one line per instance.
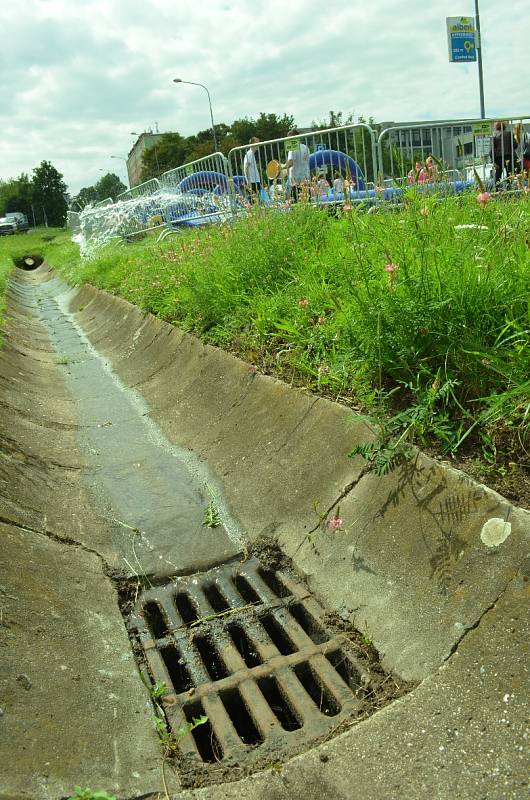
(192, 83)
(479, 58)
(121, 158)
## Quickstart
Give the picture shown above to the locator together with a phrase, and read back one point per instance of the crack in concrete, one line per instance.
(476, 624)
(298, 424)
(57, 537)
(345, 492)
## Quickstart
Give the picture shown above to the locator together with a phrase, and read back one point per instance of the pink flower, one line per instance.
(424, 211)
(391, 267)
(303, 301)
(483, 198)
(334, 523)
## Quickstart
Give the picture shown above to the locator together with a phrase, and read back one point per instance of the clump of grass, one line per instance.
(421, 324)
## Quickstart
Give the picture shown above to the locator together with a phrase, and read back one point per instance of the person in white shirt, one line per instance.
(297, 166)
(250, 170)
(338, 183)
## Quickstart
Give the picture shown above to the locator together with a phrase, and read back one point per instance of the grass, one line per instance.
(434, 349)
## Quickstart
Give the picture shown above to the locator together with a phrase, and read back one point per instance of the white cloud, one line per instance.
(77, 78)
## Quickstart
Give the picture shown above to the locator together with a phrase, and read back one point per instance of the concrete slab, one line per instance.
(410, 565)
(74, 710)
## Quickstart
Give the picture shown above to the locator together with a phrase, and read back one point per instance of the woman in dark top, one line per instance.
(503, 150)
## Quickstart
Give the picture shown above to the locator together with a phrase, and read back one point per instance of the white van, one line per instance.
(20, 220)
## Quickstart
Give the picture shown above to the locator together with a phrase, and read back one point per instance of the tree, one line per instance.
(85, 196)
(49, 195)
(267, 126)
(170, 151)
(16, 195)
(109, 186)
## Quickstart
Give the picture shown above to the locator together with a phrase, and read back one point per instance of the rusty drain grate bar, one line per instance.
(248, 648)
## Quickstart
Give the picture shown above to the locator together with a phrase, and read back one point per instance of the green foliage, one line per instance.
(171, 740)
(172, 150)
(5, 270)
(435, 351)
(211, 516)
(158, 689)
(16, 195)
(49, 195)
(108, 186)
(88, 794)
(87, 195)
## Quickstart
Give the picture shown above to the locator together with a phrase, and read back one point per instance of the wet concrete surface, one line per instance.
(156, 493)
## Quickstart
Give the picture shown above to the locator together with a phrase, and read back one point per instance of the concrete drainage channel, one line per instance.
(138, 466)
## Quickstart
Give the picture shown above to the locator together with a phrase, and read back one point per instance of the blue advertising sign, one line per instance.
(461, 39)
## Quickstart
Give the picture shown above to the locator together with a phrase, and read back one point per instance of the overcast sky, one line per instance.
(77, 76)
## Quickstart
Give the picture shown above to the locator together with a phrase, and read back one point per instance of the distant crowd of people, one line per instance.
(510, 152)
(423, 172)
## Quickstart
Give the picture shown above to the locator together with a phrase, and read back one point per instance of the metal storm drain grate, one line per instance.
(248, 648)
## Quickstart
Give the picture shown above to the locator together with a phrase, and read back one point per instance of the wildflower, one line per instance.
(347, 207)
(335, 522)
(424, 211)
(392, 270)
(471, 227)
(483, 198)
(303, 301)
(323, 369)
(321, 320)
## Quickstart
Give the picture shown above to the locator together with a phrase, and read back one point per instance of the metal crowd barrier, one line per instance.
(72, 221)
(342, 166)
(351, 164)
(197, 192)
(139, 209)
(457, 149)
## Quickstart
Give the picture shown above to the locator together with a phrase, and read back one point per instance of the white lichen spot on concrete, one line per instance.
(495, 531)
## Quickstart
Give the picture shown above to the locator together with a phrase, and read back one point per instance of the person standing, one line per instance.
(522, 150)
(297, 166)
(503, 150)
(250, 170)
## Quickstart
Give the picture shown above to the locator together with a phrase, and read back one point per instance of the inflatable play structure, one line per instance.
(339, 162)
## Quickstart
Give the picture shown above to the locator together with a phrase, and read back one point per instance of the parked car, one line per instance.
(20, 220)
(7, 226)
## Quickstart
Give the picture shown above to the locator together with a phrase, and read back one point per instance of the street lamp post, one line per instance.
(192, 83)
(479, 57)
(121, 158)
